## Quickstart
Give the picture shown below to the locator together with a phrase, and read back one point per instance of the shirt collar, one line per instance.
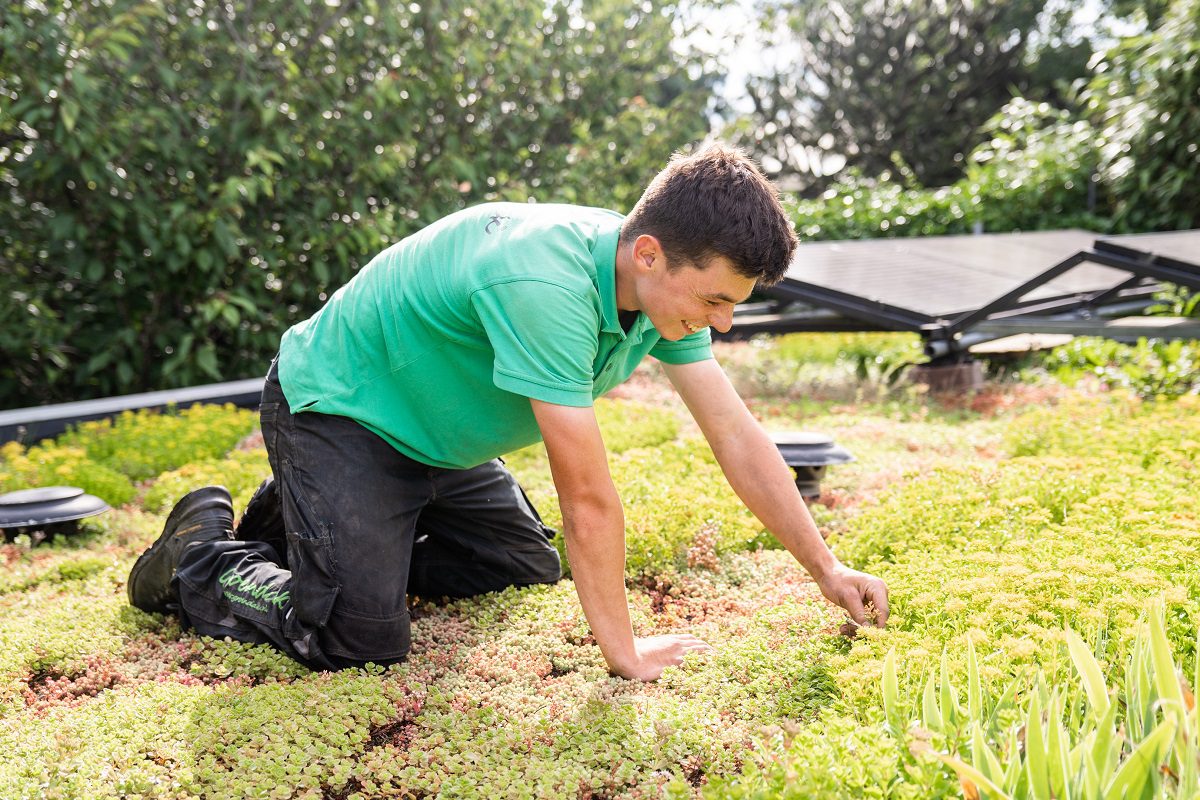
(604, 254)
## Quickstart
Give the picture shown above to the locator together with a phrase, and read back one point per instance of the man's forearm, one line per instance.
(758, 475)
(595, 541)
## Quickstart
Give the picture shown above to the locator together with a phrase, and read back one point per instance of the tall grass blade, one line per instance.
(1007, 700)
(1139, 714)
(983, 757)
(891, 692)
(974, 690)
(1196, 663)
(1105, 751)
(1138, 776)
(1057, 756)
(1014, 772)
(1166, 682)
(968, 772)
(1035, 751)
(1090, 673)
(950, 710)
(931, 717)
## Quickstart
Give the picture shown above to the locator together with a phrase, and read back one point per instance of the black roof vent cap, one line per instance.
(47, 505)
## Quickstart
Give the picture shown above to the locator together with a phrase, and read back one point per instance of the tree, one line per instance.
(185, 179)
(875, 79)
(1147, 95)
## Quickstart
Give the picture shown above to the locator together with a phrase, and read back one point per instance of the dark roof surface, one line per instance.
(942, 276)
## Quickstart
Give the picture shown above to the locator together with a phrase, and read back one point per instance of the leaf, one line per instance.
(1105, 752)
(206, 360)
(1166, 682)
(891, 691)
(99, 362)
(1035, 751)
(1140, 770)
(1089, 672)
(224, 238)
(1058, 761)
(968, 772)
(1007, 700)
(69, 111)
(974, 692)
(949, 699)
(983, 757)
(931, 717)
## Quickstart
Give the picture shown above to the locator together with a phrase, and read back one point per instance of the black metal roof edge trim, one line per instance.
(41, 422)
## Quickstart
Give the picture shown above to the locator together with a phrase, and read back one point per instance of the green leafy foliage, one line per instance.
(1081, 738)
(986, 565)
(1149, 368)
(1145, 93)
(1065, 516)
(239, 472)
(1031, 173)
(51, 465)
(106, 458)
(183, 182)
(141, 444)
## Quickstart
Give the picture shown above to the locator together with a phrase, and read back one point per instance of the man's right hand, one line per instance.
(653, 654)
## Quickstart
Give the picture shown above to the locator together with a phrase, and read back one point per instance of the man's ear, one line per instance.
(647, 252)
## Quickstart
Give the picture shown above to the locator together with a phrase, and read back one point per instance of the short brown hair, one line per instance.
(716, 202)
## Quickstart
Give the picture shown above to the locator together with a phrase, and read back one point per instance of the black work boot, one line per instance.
(201, 516)
(263, 520)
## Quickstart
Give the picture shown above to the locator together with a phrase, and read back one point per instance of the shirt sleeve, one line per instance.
(544, 337)
(691, 348)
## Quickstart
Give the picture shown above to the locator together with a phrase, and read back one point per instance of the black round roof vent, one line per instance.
(47, 505)
(808, 454)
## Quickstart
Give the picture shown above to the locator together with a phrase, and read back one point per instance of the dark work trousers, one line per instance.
(365, 526)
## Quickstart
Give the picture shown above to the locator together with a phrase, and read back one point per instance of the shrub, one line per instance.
(1145, 95)
(52, 465)
(1150, 368)
(186, 181)
(141, 444)
(1032, 174)
(240, 472)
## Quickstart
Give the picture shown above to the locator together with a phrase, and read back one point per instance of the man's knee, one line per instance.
(353, 640)
(536, 566)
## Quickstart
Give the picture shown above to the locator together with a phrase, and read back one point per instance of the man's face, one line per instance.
(688, 299)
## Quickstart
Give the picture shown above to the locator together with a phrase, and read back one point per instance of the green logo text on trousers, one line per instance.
(251, 592)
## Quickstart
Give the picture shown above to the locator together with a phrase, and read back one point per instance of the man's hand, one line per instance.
(852, 589)
(653, 654)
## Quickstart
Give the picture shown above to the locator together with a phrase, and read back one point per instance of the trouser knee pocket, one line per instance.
(535, 565)
(314, 580)
(356, 639)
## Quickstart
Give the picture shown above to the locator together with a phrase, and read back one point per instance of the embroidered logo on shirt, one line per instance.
(497, 220)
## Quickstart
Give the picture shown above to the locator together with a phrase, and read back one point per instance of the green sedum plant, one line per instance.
(106, 458)
(142, 444)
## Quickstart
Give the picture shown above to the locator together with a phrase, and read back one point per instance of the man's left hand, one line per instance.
(853, 590)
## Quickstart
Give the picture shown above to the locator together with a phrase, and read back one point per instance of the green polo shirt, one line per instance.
(438, 343)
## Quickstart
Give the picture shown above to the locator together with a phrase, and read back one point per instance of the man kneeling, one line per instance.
(386, 412)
